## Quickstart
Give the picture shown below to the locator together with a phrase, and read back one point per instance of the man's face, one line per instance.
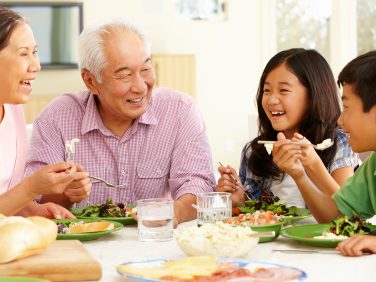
(359, 126)
(127, 79)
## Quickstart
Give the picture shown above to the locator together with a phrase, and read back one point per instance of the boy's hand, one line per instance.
(357, 245)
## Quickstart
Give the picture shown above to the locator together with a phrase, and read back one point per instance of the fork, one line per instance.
(108, 184)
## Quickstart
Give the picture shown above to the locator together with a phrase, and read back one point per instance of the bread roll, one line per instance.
(21, 237)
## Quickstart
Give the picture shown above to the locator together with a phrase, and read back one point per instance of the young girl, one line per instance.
(297, 93)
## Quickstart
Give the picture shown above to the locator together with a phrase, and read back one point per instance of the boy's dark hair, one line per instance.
(8, 22)
(320, 120)
(361, 74)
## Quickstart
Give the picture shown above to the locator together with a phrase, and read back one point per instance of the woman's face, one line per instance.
(284, 100)
(19, 64)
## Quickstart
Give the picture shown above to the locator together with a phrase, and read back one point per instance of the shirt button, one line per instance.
(159, 171)
(123, 172)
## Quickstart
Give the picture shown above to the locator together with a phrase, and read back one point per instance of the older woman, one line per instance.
(19, 64)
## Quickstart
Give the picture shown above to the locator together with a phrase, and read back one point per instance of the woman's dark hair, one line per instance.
(320, 120)
(361, 74)
(8, 22)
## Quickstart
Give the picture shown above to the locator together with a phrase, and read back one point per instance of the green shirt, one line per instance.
(358, 194)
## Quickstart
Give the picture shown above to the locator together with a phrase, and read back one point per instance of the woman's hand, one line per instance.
(49, 210)
(52, 179)
(230, 185)
(357, 245)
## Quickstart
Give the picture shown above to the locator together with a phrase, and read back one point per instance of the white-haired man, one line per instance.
(152, 143)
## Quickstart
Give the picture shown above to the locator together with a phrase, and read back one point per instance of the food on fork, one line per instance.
(21, 237)
(320, 146)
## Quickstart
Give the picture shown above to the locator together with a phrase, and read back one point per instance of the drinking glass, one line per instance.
(155, 219)
(213, 206)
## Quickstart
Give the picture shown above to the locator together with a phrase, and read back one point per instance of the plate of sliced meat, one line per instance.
(208, 268)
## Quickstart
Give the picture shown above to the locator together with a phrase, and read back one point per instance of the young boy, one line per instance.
(358, 120)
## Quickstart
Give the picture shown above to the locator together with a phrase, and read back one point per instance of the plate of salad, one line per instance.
(329, 235)
(269, 202)
(119, 212)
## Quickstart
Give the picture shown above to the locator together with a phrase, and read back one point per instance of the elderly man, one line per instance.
(150, 143)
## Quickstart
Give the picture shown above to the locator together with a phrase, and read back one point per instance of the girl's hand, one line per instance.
(288, 156)
(309, 155)
(227, 184)
(357, 245)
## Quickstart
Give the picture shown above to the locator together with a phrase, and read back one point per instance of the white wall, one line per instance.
(227, 58)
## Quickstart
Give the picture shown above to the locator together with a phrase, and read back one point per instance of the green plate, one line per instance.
(123, 220)
(276, 227)
(288, 220)
(305, 234)
(88, 235)
(21, 279)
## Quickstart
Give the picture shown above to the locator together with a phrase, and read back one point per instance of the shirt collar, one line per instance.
(92, 119)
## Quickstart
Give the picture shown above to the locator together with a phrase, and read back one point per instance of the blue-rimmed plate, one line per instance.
(290, 273)
(86, 236)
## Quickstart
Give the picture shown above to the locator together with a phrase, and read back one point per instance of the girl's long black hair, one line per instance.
(320, 120)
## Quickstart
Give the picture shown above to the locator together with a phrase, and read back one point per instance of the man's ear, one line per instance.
(90, 81)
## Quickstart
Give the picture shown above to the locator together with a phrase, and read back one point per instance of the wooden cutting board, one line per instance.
(63, 260)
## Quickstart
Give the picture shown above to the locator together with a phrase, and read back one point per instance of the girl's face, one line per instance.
(359, 126)
(284, 100)
(19, 64)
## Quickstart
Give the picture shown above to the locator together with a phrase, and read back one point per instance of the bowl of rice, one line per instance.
(216, 239)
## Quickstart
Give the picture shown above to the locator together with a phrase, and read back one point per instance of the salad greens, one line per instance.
(109, 209)
(349, 226)
(269, 202)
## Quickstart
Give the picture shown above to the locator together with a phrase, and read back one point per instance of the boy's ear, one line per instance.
(90, 81)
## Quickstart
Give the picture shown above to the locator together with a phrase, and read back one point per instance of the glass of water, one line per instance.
(155, 219)
(213, 206)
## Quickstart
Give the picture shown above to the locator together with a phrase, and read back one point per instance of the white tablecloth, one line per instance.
(123, 245)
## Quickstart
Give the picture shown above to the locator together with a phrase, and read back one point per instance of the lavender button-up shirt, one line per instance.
(165, 153)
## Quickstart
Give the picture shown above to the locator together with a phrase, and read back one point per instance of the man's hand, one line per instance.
(183, 210)
(80, 188)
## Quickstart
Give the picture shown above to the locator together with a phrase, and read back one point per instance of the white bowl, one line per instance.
(217, 239)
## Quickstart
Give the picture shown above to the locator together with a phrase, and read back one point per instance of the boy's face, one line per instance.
(360, 126)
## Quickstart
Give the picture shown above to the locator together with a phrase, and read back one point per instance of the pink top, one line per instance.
(165, 153)
(13, 147)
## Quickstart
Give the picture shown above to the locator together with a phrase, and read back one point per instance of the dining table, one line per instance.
(319, 264)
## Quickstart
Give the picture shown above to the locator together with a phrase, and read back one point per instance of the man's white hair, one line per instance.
(91, 44)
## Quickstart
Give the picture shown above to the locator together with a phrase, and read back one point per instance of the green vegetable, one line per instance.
(349, 226)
